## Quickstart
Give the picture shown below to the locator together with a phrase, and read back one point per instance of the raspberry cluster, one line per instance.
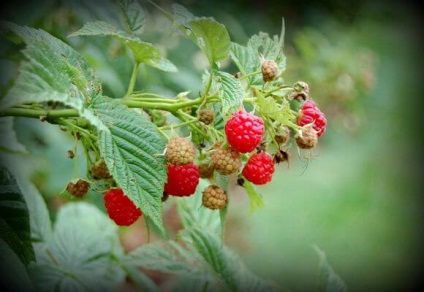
(182, 175)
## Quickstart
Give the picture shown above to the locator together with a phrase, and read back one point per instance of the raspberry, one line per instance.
(99, 170)
(78, 189)
(308, 139)
(206, 116)
(259, 168)
(214, 197)
(281, 155)
(269, 70)
(226, 160)
(120, 208)
(180, 151)
(206, 169)
(311, 114)
(282, 135)
(182, 180)
(244, 131)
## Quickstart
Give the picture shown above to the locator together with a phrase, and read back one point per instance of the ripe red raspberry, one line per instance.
(269, 70)
(226, 160)
(182, 180)
(259, 168)
(180, 151)
(78, 189)
(308, 139)
(120, 208)
(310, 114)
(214, 197)
(244, 131)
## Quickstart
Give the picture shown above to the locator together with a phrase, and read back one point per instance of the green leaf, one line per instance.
(193, 214)
(52, 71)
(268, 107)
(9, 142)
(82, 253)
(328, 280)
(13, 274)
(211, 37)
(255, 198)
(14, 217)
(133, 16)
(132, 147)
(143, 52)
(146, 53)
(231, 91)
(247, 58)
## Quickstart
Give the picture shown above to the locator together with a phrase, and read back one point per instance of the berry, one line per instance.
(226, 160)
(206, 116)
(282, 135)
(281, 155)
(99, 170)
(259, 168)
(244, 131)
(180, 151)
(182, 180)
(310, 114)
(120, 208)
(78, 189)
(214, 197)
(308, 139)
(206, 169)
(269, 70)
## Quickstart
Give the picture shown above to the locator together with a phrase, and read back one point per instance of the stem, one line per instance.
(133, 80)
(249, 75)
(37, 113)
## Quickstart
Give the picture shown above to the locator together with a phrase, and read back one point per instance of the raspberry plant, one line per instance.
(137, 156)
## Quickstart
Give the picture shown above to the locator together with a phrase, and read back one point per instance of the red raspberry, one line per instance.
(311, 114)
(259, 168)
(244, 131)
(120, 208)
(182, 180)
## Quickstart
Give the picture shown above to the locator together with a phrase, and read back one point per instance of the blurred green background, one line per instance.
(358, 196)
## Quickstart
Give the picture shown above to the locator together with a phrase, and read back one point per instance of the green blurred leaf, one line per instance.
(328, 280)
(13, 274)
(82, 253)
(193, 214)
(14, 217)
(181, 15)
(132, 147)
(211, 37)
(231, 91)
(133, 16)
(9, 142)
(52, 71)
(143, 52)
(254, 196)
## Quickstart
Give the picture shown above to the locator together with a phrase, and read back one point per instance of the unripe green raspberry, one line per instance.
(226, 160)
(269, 70)
(180, 151)
(308, 139)
(206, 169)
(206, 116)
(214, 197)
(79, 188)
(282, 134)
(99, 170)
